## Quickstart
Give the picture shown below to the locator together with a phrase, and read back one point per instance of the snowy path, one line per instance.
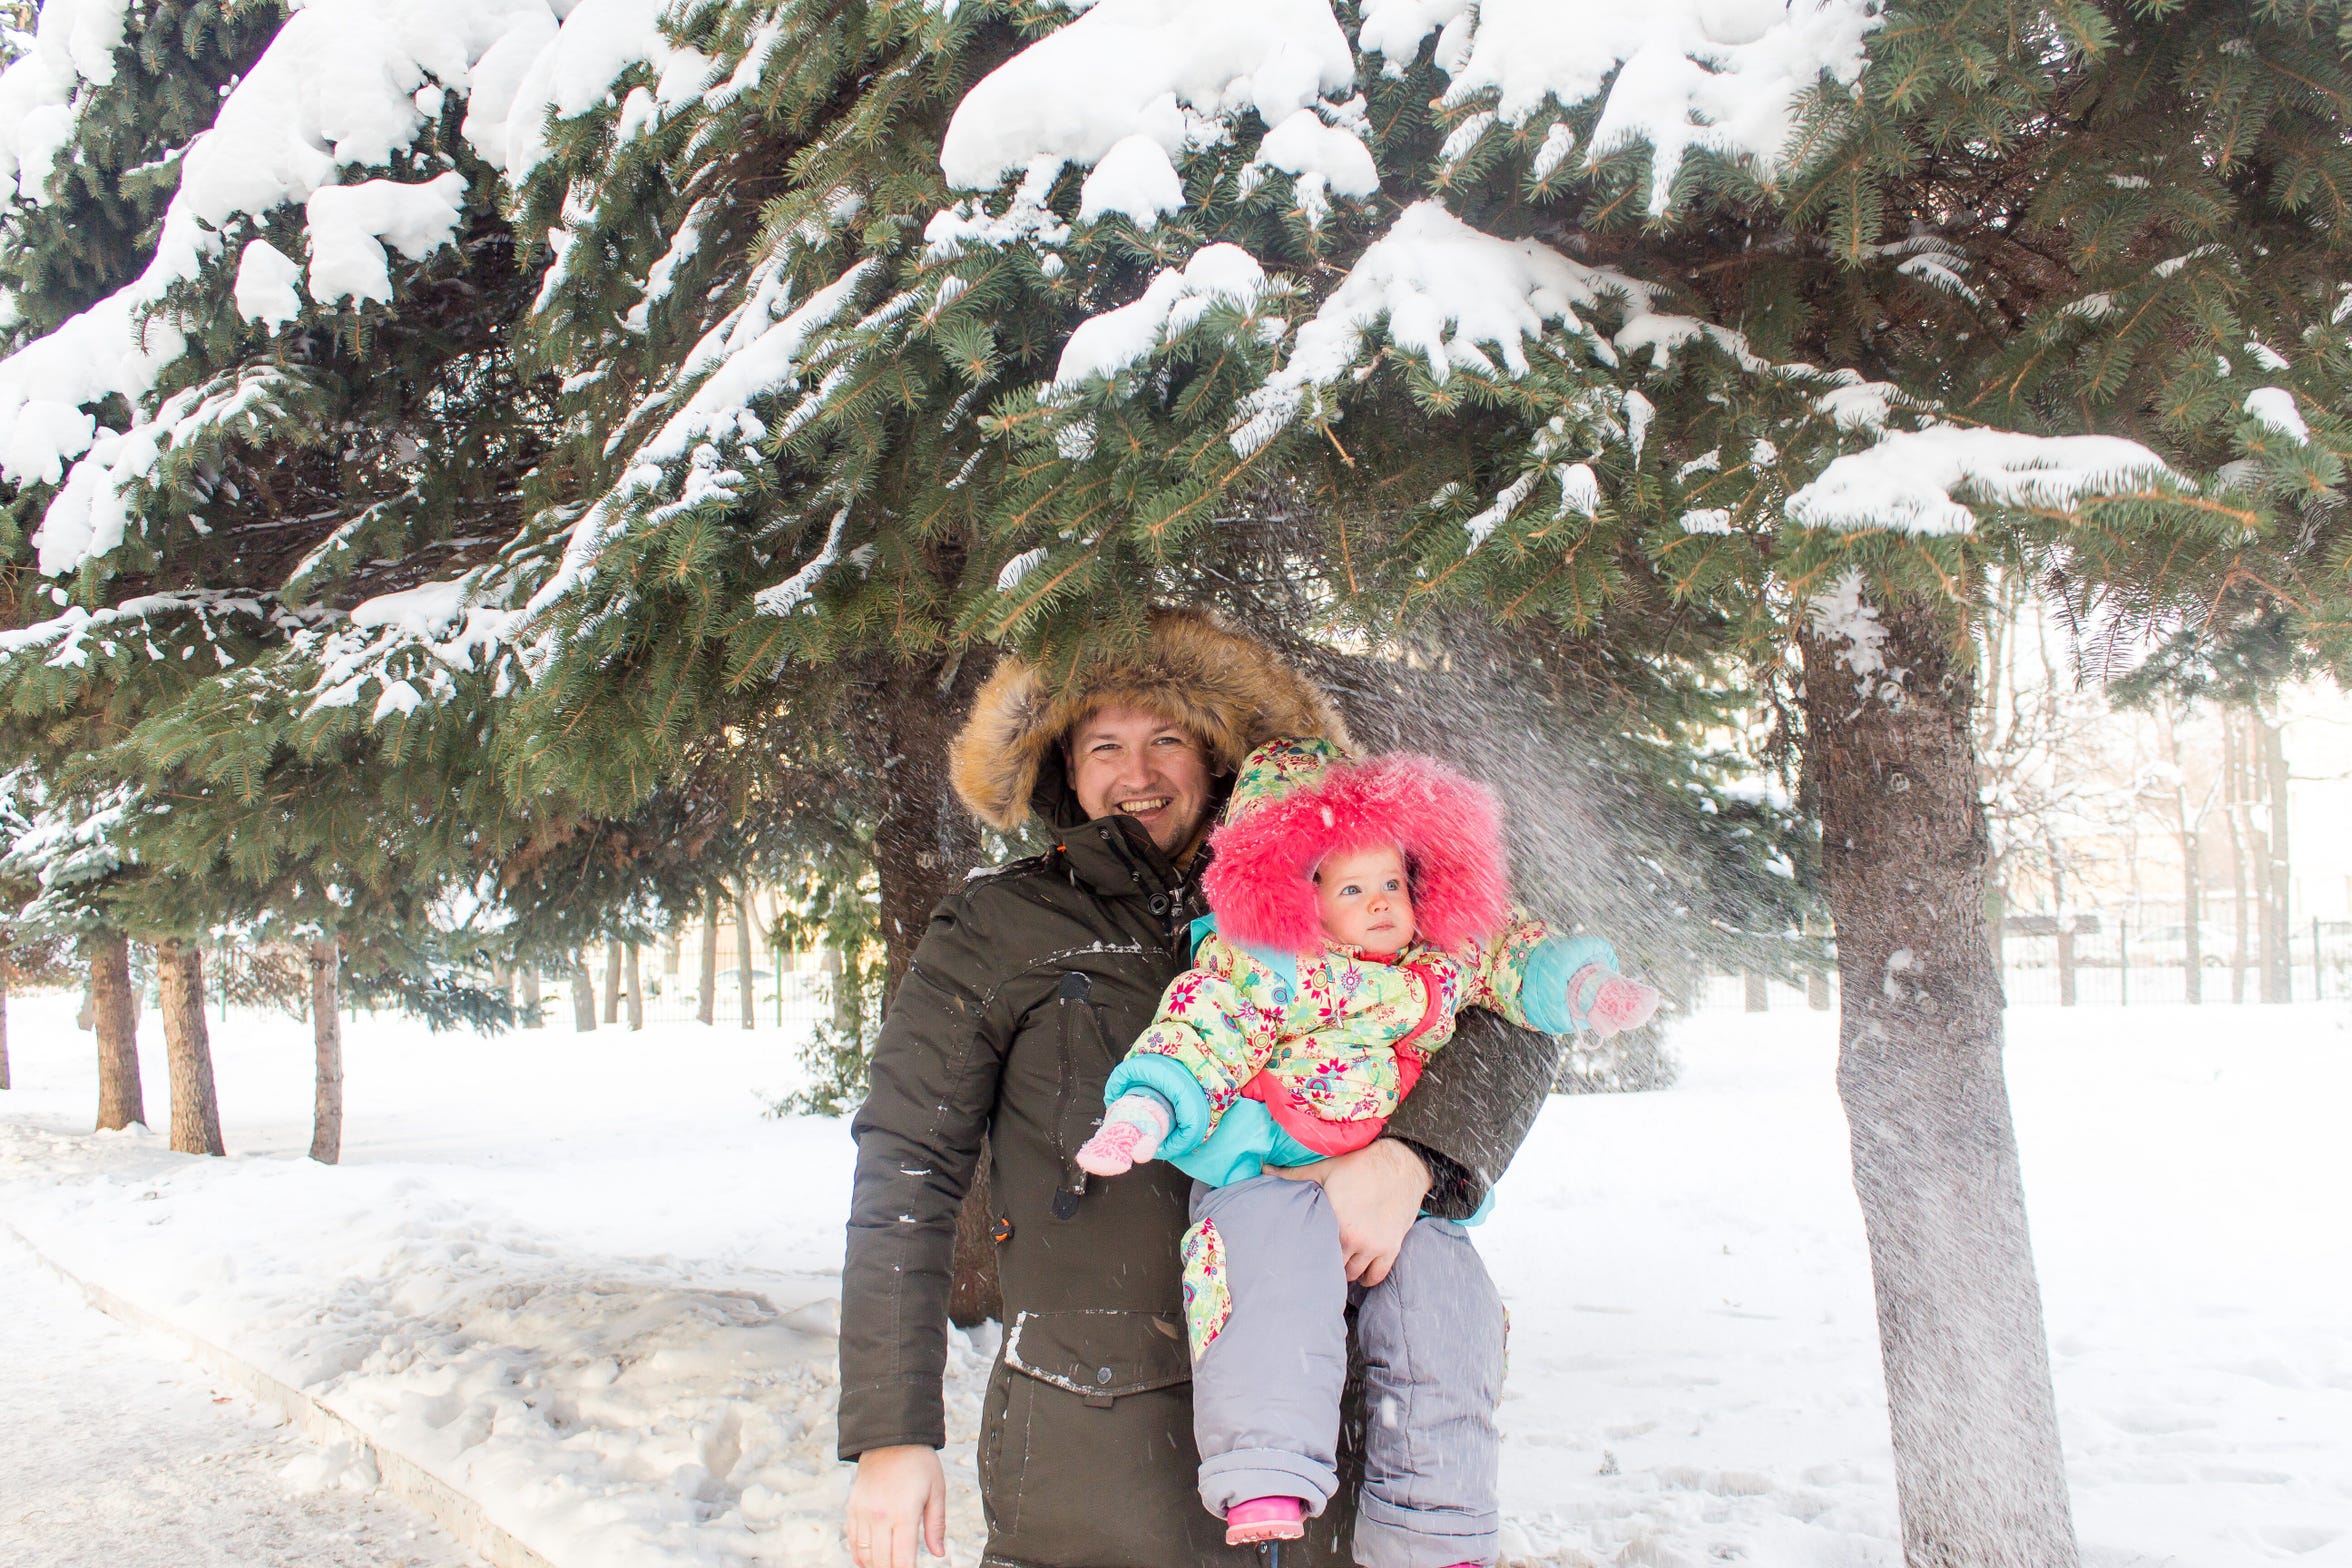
(588, 1282)
(118, 1454)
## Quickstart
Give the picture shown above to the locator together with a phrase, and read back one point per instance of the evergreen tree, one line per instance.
(1794, 322)
(741, 540)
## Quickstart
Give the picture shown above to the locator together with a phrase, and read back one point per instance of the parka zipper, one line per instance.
(1075, 991)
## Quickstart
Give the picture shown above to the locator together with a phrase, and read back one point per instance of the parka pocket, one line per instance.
(1086, 1449)
(1099, 1355)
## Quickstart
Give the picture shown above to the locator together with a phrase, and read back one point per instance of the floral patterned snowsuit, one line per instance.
(1330, 1042)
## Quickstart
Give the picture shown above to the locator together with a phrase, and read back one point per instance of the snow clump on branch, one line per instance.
(1128, 87)
(73, 42)
(1106, 344)
(2274, 408)
(1911, 479)
(343, 84)
(1722, 76)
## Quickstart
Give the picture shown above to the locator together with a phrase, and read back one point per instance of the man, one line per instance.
(1027, 989)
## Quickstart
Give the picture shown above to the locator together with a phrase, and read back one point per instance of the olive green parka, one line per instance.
(1026, 991)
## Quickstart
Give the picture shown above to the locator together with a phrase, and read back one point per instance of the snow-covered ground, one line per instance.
(589, 1281)
(118, 1454)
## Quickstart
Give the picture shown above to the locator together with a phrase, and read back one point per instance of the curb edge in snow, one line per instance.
(454, 1511)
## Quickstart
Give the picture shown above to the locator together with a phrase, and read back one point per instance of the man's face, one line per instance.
(1132, 763)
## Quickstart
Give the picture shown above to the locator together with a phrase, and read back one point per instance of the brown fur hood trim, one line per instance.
(1231, 690)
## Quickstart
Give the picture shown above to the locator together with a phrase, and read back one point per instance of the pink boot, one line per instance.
(1265, 1519)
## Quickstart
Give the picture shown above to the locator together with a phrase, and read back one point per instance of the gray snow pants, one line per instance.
(1266, 1297)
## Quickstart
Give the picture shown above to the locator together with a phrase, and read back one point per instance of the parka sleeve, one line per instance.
(1473, 1107)
(936, 1067)
(1215, 1030)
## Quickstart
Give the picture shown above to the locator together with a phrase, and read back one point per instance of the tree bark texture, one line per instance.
(531, 1018)
(707, 1011)
(187, 1046)
(634, 977)
(326, 1029)
(924, 841)
(747, 993)
(1979, 1474)
(115, 1016)
(612, 982)
(583, 997)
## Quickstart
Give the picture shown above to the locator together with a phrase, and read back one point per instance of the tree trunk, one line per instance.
(1979, 1475)
(2235, 802)
(746, 991)
(2266, 932)
(612, 982)
(2278, 968)
(1756, 991)
(2192, 906)
(187, 1046)
(923, 842)
(3, 1028)
(708, 1010)
(531, 1018)
(326, 1031)
(114, 1014)
(583, 997)
(633, 977)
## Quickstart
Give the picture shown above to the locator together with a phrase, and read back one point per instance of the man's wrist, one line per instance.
(1411, 1156)
(1448, 1194)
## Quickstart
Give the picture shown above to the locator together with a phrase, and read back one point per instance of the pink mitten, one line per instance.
(1620, 1004)
(1130, 1134)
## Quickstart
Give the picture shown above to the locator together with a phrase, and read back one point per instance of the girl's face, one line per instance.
(1364, 900)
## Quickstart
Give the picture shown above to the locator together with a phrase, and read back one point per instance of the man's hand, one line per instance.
(1376, 1194)
(899, 1493)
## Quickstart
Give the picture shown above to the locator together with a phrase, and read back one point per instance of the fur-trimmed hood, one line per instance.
(1301, 800)
(1230, 690)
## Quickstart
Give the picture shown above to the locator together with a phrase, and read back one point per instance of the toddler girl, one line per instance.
(1356, 907)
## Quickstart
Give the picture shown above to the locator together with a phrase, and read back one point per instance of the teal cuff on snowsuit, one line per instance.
(1246, 1141)
(1544, 997)
(1249, 1141)
(1188, 1102)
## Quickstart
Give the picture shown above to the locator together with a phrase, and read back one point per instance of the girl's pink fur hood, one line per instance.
(1297, 802)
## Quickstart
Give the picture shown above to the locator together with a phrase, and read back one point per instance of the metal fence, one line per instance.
(2098, 964)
